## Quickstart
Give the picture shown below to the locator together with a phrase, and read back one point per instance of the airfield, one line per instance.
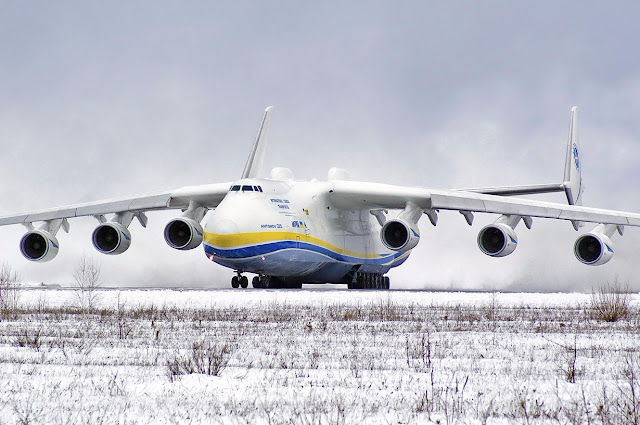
(316, 356)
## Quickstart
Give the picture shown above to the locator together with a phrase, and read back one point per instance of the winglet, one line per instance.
(572, 168)
(255, 162)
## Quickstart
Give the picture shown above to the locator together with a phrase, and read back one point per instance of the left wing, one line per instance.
(358, 195)
(498, 239)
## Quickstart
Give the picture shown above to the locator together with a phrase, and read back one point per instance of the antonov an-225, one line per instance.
(291, 232)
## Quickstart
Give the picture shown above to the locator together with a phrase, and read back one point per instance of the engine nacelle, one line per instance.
(183, 233)
(398, 234)
(593, 249)
(497, 240)
(111, 238)
(39, 245)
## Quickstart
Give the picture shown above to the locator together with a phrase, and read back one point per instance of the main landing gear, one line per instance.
(239, 281)
(369, 281)
(262, 281)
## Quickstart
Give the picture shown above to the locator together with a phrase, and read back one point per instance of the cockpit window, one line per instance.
(245, 188)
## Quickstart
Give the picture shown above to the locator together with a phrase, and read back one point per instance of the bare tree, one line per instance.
(9, 288)
(87, 281)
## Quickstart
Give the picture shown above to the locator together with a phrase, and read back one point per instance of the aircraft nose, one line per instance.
(224, 227)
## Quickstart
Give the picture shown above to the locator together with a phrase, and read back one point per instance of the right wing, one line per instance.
(207, 196)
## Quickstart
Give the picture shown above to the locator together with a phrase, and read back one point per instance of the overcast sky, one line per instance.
(103, 100)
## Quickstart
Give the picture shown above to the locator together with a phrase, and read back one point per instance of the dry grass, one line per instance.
(328, 363)
(610, 302)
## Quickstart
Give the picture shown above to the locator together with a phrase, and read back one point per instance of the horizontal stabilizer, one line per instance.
(517, 190)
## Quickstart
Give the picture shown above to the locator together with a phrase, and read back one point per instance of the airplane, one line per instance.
(290, 232)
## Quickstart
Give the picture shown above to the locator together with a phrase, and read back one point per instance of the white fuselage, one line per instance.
(289, 229)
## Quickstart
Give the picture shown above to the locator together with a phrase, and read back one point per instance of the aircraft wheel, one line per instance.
(265, 281)
(387, 282)
(256, 282)
(244, 282)
(234, 282)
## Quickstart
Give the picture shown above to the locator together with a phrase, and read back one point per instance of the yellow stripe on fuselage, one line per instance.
(236, 240)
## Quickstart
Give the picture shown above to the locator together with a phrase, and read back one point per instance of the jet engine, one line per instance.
(39, 245)
(497, 240)
(183, 233)
(111, 238)
(593, 249)
(398, 234)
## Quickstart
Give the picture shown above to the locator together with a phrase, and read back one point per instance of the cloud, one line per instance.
(100, 101)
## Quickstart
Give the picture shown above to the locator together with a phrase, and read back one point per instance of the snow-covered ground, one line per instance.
(317, 356)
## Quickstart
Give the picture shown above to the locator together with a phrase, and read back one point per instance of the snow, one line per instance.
(315, 356)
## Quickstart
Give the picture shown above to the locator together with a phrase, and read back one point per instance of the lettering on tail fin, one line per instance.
(572, 171)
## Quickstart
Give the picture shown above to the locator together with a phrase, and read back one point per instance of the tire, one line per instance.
(256, 282)
(265, 282)
(244, 282)
(234, 282)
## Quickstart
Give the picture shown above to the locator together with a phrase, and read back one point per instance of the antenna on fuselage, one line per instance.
(255, 162)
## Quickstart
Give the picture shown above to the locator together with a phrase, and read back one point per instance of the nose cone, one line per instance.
(225, 226)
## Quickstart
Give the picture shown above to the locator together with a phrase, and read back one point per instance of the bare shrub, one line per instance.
(567, 363)
(87, 281)
(30, 339)
(419, 353)
(9, 288)
(570, 371)
(628, 402)
(611, 301)
(207, 359)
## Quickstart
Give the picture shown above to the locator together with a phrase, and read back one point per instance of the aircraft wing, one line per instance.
(359, 195)
(207, 196)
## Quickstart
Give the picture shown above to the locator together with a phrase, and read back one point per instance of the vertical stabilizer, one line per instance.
(255, 162)
(572, 167)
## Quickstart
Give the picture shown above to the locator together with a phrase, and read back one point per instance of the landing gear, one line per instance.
(272, 282)
(239, 281)
(263, 281)
(369, 281)
(244, 282)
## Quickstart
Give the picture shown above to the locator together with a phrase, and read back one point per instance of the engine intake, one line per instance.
(111, 238)
(497, 240)
(397, 234)
(593, 249)
(39, 245)
(183, 233)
